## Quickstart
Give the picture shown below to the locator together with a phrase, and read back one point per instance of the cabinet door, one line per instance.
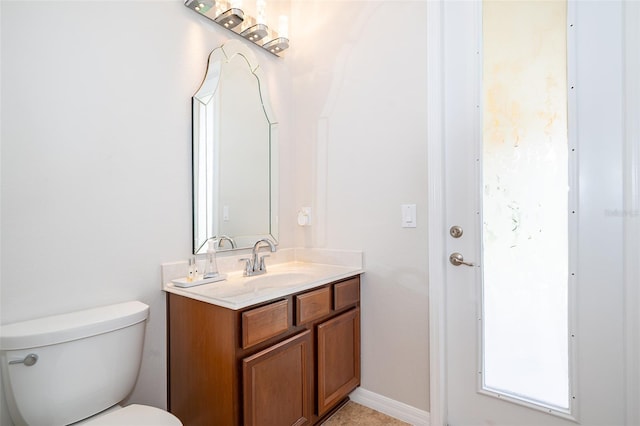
(338, 358)
(277, 384)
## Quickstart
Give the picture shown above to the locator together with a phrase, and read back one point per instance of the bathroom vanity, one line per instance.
(281, 348)
(284, 352)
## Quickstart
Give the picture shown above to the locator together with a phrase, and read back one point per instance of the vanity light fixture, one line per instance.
(230, 18)
(255, 30)
(202, 7)
(281, 43)
(277, 45)
(255, 33)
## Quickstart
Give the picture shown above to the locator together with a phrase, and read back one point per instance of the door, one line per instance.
(499, 369)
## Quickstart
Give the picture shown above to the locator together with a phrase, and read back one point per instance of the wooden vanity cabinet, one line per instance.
(288, 361)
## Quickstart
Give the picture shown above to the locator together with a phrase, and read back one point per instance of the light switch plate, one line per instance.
(304, 216)
(408, 215)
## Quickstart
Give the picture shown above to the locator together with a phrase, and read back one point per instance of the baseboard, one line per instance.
(390, 407)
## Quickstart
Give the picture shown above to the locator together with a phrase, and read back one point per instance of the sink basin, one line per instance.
(277, 280)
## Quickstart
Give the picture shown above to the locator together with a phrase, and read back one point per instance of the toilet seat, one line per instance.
(136, 415)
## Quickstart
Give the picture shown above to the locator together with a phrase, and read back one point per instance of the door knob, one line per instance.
(457, 259)
(456, 231)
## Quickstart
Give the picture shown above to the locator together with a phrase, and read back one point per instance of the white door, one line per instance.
(489, 383)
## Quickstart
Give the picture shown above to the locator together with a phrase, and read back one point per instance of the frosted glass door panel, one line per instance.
(525, 202)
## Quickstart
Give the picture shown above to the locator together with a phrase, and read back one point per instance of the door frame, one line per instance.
(437, 209)
(631, 195)
(436, 212)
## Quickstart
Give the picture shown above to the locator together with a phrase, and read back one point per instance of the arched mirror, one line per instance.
(234, 154)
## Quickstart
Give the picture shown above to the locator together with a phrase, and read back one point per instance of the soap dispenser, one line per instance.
(192, 271)
(211, 266)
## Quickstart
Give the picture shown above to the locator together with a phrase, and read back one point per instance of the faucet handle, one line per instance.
(262, 265)
(247, 265)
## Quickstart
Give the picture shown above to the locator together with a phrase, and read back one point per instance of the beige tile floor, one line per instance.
(353, 414)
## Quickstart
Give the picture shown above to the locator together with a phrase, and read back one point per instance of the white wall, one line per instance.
(359, 78)
(96, 157)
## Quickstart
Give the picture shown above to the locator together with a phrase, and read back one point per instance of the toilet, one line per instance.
(77, 368)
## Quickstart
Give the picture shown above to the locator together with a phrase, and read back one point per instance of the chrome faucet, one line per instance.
(255, 265)
(222, 238)
(217, 242)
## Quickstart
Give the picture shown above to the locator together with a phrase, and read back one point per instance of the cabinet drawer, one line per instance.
(313, 305)
(265, 322)
(346, 293)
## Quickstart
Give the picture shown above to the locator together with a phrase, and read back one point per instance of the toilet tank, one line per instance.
(87, 361)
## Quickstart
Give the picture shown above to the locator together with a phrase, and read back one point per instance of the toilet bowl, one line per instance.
(76, 368)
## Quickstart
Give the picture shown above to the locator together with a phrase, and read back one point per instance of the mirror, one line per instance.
(234, 154)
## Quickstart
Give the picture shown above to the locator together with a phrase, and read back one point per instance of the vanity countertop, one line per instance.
(237, 292)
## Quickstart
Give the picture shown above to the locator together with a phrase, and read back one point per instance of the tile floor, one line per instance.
(353, 414)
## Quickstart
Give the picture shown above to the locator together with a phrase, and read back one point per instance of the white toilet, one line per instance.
(77, 367)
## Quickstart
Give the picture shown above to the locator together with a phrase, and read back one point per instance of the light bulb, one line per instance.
(283, 26)
(261, 11)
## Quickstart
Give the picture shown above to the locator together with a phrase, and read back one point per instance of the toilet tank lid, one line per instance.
(72, 326)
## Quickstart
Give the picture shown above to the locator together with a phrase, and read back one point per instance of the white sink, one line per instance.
(277, 280)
